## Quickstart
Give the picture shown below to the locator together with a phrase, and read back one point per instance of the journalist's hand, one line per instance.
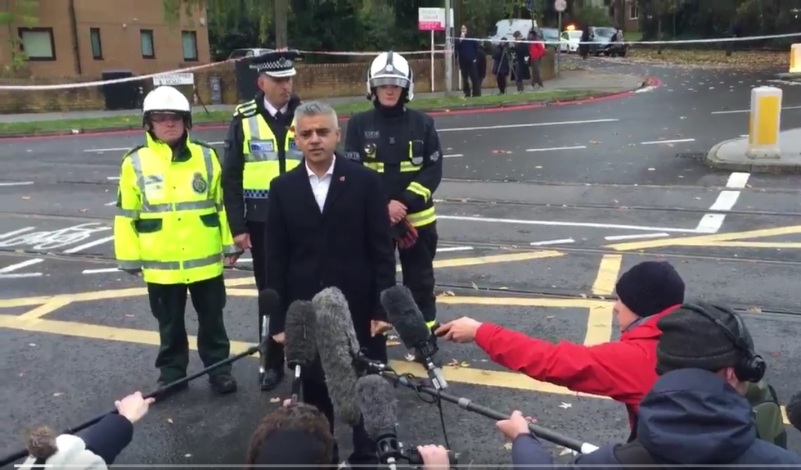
(462, 330)
(134, 406)
(434, 457)
(516, 425)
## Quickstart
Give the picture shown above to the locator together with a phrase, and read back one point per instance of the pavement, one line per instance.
(540, 212)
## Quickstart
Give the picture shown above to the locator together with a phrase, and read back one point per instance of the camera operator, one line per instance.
(95, 448)
(622, 370)
(696, 413)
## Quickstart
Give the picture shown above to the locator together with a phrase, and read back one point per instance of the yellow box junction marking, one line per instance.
(718, 240)
(599, 320)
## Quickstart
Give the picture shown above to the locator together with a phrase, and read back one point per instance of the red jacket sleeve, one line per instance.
(617, 370)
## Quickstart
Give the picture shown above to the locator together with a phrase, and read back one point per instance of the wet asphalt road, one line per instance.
(535, 203)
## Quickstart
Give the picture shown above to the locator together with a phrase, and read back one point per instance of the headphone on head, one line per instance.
(750, 367)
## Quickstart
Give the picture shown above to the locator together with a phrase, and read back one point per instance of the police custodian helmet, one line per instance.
(166, 99)
(390, 68)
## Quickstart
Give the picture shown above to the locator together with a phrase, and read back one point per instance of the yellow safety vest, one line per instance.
(171, 222)
(260, 150)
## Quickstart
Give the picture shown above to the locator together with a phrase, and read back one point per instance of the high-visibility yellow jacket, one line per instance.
(171, 223)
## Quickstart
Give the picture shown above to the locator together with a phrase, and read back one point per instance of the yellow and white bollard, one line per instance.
(764, 122)
(795, 58)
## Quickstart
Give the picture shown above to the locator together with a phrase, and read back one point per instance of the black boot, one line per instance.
(271, 379)
(163, 394)
(222, 383)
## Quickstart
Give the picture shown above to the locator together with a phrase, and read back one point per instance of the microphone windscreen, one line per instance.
(378, 405)
(269, 302)
(337, 346)
(300, 336)
(405, 316)
(794, 411)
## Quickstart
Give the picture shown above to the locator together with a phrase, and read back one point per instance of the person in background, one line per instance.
(501, 64)
(260, 146)
(623, 370)
(536, 50)
(696, 414)
(94, 449)
(520, 68)
(467, 52)
(584, 44)
(171, 229)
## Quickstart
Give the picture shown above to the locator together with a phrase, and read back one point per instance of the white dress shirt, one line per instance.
(320, 185)
(272, 110)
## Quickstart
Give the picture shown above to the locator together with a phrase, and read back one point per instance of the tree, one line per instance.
(19, 12)
(223, 16)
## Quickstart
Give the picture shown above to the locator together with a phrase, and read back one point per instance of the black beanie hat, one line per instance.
(691, 340)
(650, 287)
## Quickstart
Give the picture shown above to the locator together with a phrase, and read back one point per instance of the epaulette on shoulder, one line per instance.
(246, 109)
(132, 151)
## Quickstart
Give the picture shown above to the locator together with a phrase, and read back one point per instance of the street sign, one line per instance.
(432, 19)
(560, 5)
(174, 79)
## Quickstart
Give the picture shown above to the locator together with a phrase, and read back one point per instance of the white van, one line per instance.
(506, 29)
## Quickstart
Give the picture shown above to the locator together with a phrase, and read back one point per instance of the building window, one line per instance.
(634, 10)
(38, 43)
(97, 45)
(148, 44)
(190, 45)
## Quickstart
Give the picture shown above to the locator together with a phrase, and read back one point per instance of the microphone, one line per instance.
(408, 321)
(380, 410)
(269, 303)
(794, 411)
(338, 349)
(299, 341)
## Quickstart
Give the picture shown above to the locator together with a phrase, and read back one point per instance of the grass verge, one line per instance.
(344, 109)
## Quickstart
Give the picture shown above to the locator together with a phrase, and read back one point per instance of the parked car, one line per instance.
(550, 36)
(603, 35)
(248, 52)
(570, 41)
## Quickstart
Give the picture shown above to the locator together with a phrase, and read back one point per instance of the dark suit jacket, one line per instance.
(349, 245)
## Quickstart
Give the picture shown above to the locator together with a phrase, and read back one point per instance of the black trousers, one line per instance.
(258, 241)
(470, 76)
(417, 267)
(168, 305)
(501, 79)
(315, 393)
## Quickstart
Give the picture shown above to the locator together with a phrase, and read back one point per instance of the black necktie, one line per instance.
(278, 115)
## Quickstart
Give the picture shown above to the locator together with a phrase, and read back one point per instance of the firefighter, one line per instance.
(260, 146)
(403, 145)
(172, 230)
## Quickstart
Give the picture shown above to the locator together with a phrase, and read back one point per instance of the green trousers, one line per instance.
(168, 305)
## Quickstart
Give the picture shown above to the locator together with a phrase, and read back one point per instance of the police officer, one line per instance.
(403, 145)
(260, 146)
(172, 230)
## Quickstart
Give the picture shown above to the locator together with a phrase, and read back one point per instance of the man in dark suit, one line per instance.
(329, 227)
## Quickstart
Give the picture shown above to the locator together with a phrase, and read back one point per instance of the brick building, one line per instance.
(84, 38)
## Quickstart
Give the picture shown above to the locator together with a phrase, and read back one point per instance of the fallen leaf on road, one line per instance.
(169, 420)
(651, 169)
(33, 345)
(83, 210)
(564, 405)
(549, 317)
(503, 288)
(453, 363)
(508, 446)
(538, 167)
(58, 394)
(26, 197)
(464, 364)
(474, 285)
(754, 309)
(187, 455)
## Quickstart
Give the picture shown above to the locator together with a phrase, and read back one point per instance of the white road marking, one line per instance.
(110, 203)
(112, 178)
(554, 223)
(674, 141)
(562, 241)
(632, 237)
(453, 155)
(16, 183)
(454, 248)
(735, 111)
(711, 223)
(101, 270)
(90, 244)
(15, 233)
(576, 147)
(19, 275)
(532, 124)
(21, 265)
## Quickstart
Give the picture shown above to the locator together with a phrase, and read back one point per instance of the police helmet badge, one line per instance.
(199, 184)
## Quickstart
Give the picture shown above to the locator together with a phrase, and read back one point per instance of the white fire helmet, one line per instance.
(166, 99)
(390, 68)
